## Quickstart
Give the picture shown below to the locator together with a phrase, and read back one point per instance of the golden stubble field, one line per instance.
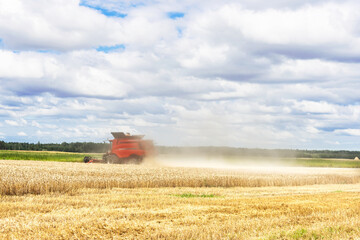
(50, 200)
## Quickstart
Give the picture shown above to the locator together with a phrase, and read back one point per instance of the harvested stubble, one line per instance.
(30, 177)
(301, 212)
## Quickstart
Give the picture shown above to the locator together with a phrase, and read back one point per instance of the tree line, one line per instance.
(91, 147)
(80, 147)
(257, 152)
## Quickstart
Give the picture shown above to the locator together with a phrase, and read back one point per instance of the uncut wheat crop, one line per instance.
(31, 177)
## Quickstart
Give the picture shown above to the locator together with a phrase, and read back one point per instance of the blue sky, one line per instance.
(245, 73)
(108, 49)
(175, 15)
(105, 11)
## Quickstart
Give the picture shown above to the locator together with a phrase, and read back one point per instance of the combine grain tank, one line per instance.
(126, 148)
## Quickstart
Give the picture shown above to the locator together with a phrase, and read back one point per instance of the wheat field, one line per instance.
(24, 177)
(51, 200)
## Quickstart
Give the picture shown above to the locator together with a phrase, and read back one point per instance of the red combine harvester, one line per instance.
(125, 149)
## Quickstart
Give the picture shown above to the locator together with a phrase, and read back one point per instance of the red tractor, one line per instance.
(126, 148)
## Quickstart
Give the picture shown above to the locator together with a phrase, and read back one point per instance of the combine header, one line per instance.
(125, 149)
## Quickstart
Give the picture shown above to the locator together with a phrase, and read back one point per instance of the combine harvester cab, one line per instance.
(126, 149)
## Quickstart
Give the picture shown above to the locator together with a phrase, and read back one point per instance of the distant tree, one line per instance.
(2, 145)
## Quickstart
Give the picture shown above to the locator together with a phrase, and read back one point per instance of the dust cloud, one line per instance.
(249, 165)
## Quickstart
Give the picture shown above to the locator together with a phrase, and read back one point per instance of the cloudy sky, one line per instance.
(241, 73)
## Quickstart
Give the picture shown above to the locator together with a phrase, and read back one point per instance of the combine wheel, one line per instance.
(134, 159)
(87, 159)
(111, 159)
(140, 160)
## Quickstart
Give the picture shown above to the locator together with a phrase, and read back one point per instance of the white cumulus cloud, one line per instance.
(252, 73)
